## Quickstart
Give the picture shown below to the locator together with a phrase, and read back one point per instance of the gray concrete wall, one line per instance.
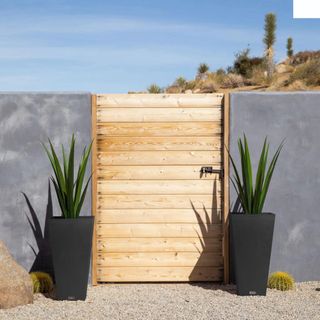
(26, 119)
(295, 188)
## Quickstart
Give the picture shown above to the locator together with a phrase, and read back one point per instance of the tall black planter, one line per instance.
(251, 243)
(71, 241)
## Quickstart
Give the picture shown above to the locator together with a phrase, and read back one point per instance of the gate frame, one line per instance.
(226, 191)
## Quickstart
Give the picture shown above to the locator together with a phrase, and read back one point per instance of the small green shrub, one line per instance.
(309, 73)
(203, 68)
(180, 82)
(281, 281)
(154, 88)
(42, 282)
(244, 64)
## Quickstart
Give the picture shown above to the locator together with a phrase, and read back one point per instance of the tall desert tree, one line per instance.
(289, 47)
(270, 25)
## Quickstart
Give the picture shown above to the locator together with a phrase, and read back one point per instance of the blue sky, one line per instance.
(118, 46)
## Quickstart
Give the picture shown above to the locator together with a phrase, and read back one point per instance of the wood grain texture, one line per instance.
(159, 129)
(158, 217)
(159, 143)
(158, 201)
(159, 158)
(160, 245)
(145, 172)
(172, 187)
(159, 101)
(158, 114)
(158, 230)
(159, 259)
(159, 274)
(209, 215)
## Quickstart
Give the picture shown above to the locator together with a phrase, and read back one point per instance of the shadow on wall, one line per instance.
(43, 259)
(210, 248)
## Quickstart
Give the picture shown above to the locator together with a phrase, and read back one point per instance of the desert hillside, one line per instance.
(298, 72)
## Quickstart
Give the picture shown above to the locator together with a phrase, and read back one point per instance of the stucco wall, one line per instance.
(295, 188)
(26, 119)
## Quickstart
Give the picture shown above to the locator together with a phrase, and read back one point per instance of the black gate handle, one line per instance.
(205, 170)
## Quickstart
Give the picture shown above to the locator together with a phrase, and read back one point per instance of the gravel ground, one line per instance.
(175, 301)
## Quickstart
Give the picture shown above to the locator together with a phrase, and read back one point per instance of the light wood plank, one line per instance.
(158, 230)
(159, 143)
(160, 274)
(164, 129)
(159, 100)
(160, 245)
(155, 173)
(160, 259)
(158, 201)
(159, 216)
(159, 158)
(172, 187)
(158, 114)
(94, 187)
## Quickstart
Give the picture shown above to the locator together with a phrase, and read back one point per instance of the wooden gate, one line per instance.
(160, 213)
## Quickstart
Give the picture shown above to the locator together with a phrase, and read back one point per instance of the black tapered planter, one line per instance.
(71, 241)
(251, 242)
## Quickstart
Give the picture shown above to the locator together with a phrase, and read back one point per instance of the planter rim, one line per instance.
(69, 219)
(251, 214)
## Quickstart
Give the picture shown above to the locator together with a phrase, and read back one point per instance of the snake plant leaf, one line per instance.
(252, 197)
(68, 189)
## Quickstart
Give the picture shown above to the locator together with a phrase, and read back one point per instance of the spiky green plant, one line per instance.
(281, 281)
(252, 197)
(42, 282)
(69, 190)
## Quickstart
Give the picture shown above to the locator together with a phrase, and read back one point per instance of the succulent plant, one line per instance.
(42, 282)
(281, 281)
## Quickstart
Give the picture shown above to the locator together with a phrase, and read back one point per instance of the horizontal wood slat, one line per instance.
(145, 172)
(158, 101)
(159, 158)
(160, 245)
(159, 259)
(159, 143)
(158, 230)
(158, 201)
(161, 274)
(209, 187)
(164, 129)
(159, 216)
(158, 114)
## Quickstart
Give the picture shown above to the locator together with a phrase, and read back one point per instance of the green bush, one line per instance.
(154, 88)
(180, 82)
(203, 68)
(309, 73)
(244, 64)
